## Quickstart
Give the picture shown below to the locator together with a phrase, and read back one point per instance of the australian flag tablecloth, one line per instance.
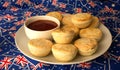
(13, 13)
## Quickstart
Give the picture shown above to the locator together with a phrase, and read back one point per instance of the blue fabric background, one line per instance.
(14, 12)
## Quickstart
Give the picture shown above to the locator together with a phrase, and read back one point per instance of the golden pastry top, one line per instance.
(85, 44)
(65, 48)
(55, 14)
(82, 16)
(40, 43)
(95, 22)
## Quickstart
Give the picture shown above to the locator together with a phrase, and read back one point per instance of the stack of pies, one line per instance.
(79, 33)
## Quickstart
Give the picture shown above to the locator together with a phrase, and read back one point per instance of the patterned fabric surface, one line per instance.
(13, 13)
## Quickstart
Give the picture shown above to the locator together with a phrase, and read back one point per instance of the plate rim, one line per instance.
(62, 63)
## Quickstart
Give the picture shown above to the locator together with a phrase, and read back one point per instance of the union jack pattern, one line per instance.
(9, 17)
(84, 65)
(40, 65)
(13, 13)
(78, 10)
(5, 62)
(27, 14)
(54, 2)
(19, 2)
(21, 60)
(6, 4)
(92, 4)
(62, 5)
(14, 9)
(19, 22)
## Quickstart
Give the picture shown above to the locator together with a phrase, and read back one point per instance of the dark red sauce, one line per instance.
(42, 25)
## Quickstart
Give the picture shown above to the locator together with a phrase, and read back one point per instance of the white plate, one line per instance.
(21, 42)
